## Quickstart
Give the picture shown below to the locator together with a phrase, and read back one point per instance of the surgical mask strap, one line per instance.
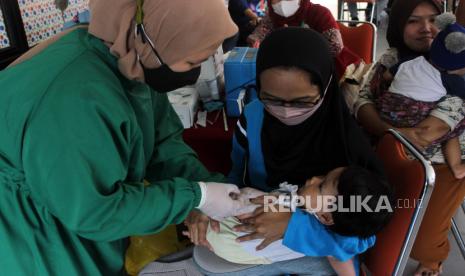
(140, 29)
(327, 86)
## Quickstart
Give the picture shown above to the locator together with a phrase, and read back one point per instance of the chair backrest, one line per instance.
(360, 39)
(413, 182)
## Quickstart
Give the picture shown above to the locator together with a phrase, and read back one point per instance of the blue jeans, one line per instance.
(317, 266)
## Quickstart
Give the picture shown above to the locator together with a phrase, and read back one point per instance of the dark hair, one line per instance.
(399, 13)
(358, 181)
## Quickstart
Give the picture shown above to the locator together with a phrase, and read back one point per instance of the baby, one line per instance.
(338, 234)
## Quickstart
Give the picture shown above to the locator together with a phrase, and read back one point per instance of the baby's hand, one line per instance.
(247, 195)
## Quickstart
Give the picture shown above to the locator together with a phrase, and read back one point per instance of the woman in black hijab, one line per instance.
(296, 131)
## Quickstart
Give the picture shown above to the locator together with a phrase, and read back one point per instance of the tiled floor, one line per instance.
(455, 264)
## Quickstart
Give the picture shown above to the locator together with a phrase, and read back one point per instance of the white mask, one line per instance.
(286, 8)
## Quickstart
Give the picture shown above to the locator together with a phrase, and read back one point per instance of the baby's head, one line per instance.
(448, 48)
(364, 201)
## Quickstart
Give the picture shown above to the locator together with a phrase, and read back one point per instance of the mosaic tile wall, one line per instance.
(4, 42)
(43, 20)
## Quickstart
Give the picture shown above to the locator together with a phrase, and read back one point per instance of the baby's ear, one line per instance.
(314, 181)
(326, 218)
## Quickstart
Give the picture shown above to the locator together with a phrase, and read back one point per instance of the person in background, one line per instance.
(91, 151)
(304, 13)
(245, 14)
(353, 10)
(379, 7)
(410, 33)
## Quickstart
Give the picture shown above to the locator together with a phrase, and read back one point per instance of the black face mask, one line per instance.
(163, 79)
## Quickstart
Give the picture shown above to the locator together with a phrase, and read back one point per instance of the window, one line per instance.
(25, 23)
(42, 19)
(4, 40)
(13, 39)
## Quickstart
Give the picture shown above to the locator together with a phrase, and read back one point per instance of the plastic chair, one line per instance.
(342, 9)
(413, 182)
(360, 39)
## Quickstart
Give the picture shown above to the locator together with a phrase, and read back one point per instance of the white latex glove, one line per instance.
(221, 200)
(250, 193)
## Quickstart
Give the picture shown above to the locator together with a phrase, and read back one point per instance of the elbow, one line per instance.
(369, 119)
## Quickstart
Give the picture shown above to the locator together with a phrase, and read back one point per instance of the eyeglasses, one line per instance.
(297, 104)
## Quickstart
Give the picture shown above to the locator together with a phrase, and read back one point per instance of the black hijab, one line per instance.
(328, 139)
(400, 11)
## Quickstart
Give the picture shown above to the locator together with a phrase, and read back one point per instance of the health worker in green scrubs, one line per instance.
(84, 121)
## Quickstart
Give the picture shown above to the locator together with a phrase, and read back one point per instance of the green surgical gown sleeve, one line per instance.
(82, 150)
(172, 157)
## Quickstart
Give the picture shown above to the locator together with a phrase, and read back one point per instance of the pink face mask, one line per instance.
(292, 116)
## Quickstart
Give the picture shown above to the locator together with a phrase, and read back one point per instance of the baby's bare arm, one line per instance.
(426, 132)
(342, 268)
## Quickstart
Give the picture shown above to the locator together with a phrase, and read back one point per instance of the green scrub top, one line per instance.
(76, 141)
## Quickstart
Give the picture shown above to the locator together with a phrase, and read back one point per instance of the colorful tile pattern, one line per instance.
(4, 41)
(43, 20)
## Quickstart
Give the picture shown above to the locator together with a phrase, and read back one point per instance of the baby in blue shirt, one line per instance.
(341, 212)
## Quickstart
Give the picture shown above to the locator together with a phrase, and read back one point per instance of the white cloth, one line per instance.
(225, 246)
(419, 80)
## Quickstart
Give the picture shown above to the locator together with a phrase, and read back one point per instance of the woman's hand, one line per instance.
(270, 225)
(197, 224)
(251, 41)
(255, 21)
(413, 135)
(370, 120)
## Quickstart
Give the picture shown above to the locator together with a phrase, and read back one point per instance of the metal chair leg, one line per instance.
(341, 15)
(372, 18)
(458, 236)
